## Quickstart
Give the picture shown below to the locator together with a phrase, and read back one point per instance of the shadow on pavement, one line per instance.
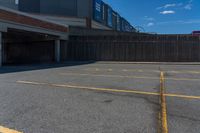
(30, 67)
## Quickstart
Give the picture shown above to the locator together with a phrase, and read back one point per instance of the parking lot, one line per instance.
(99, 98)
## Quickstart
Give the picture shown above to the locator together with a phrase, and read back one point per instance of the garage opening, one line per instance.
(21, 47)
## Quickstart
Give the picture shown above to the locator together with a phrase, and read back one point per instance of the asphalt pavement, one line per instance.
(98, 98)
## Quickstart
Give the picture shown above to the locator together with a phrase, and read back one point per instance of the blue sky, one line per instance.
(160, 16)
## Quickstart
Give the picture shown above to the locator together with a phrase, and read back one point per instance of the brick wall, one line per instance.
(22, 19)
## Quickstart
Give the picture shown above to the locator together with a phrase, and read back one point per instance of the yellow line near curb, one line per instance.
(132, 77)
(108, 89)
(7, 130)
(163, 113)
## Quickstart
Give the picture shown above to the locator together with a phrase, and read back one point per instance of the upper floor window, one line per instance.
(16, 2)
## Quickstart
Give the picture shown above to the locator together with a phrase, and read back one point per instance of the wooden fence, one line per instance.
(135, 47)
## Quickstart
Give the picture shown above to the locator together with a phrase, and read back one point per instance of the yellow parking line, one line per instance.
(163, 105)
(182, 96)
(194, 72)
(110, 76)
(89, 88)
(123, 70)
(132, 77)
(7, 130)
(183, 79)
(109, 90)
(144, 71)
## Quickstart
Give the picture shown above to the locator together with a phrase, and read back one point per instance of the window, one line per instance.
(16, 2)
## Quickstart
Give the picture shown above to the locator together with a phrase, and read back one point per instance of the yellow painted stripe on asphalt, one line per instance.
(183, 79)
(109, 90)
(90, 88)
(163, 104)
(144, 71)
(183, 96)
(110, 76)
(123, 70)
(133, 77)
(7, 130)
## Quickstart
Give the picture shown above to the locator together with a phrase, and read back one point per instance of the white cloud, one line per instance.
(189, 5)
(150, 24)
(170, 5)
(179, 4)
(148, 18)
(190, 21)
(167, 12)
(167, 6)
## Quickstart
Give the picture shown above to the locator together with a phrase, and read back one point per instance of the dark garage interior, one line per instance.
(20, 47)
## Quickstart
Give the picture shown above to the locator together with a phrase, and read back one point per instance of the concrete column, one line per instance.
(1, 50)
(57, 50)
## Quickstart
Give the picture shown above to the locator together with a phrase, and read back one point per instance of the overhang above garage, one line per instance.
(12, 19)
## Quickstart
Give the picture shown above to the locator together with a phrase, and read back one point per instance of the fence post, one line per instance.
(1, 53)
